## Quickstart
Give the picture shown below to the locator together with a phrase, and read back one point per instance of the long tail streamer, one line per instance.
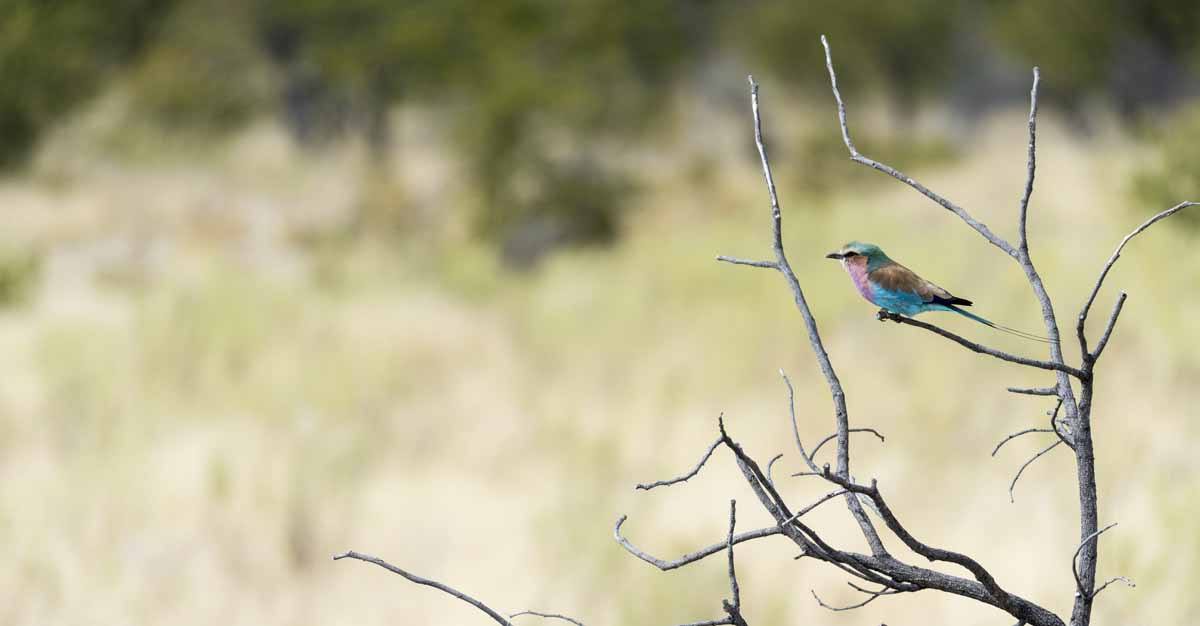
(1004, 329)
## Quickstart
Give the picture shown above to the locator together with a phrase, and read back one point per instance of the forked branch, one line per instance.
(1112, 260)
(857, 157)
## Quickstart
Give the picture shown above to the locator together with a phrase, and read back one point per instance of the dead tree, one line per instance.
(880, 573)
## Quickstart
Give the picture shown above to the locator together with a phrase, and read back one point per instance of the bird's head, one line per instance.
(858, 252)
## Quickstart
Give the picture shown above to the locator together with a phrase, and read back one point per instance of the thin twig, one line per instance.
(499, 619)
(1031, 166)
(874, 596)
(1128, 583)
(690, 557)
(808, 458)
(736, 261)
(771, 464)
(1087, 305)
(1013, 484)
(822, 500)
(549, 616)
(828, 438)
(1075, 559)
(1108, 328)
(734, 592)
(683, 477)
(1034, 391)
(732, 606)
(1018, 434)
(982, 349)
(1054, 425)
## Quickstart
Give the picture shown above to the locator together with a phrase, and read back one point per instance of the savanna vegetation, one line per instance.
(280, 279)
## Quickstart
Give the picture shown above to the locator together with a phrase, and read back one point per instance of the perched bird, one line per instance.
(897, 289)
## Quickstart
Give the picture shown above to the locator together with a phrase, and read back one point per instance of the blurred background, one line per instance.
(435, 281)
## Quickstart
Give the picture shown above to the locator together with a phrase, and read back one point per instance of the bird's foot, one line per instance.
(884, 315)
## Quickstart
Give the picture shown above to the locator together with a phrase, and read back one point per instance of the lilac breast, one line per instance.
(858, 274)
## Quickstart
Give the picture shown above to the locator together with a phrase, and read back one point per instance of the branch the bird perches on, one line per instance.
(882, 568)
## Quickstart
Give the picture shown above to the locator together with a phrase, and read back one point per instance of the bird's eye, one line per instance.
(850, 254)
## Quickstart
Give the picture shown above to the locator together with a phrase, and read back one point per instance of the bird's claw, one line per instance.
(884, 315)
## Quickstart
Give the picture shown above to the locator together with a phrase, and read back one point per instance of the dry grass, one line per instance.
(196, 411)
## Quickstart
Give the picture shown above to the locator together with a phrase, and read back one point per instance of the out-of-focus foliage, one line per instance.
(54, 55)
(903, 47)
(19, 273)
(205, 71)
(1135, 53)
(534, 88)
(540, 94)
(1175, 175)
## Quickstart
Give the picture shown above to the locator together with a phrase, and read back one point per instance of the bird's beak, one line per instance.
(834, 255)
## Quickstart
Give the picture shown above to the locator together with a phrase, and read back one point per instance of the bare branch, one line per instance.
(982, 349)
(549, 616)
(771, 464)
(1064, 389)
(879, 567)
(693, 556)
(873, 596)
(684, 477)
(1108, 328)
(736, 261)
(734, 592)
(1075, 560)
(1013, 484)
(828, 438)
(1034, 391)
(733, 606)
(1003, 598)
(1022, 238)
(822, 500)
(808, 459)
(1083, 313)
(1054, 425)
(1128, 583)
(814, 335)
(499, 619)
(887, 571)
(1018, 434)
(979, 227)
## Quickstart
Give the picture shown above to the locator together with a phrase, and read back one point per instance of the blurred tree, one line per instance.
(536, 88)
(1134, 53)
(545, 95)
(205, 70)
(54, 55)
(902, 47)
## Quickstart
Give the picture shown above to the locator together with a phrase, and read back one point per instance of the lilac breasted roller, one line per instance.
(899, 290)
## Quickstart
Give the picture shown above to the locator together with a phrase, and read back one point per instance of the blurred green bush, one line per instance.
(205, 71)
(542, 93)
(19, 273)
(55, 55)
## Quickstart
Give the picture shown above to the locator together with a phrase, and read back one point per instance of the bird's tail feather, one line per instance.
(1003, 329)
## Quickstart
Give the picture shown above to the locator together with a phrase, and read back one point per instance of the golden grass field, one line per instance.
(208, 391)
